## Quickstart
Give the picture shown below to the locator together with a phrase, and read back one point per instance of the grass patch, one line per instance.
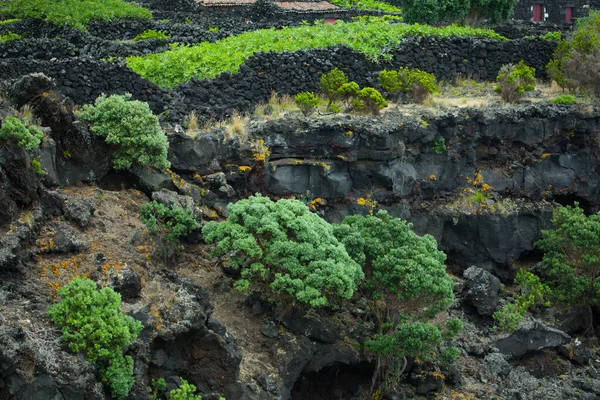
(375, 38)
(9, 36)
(75, 13)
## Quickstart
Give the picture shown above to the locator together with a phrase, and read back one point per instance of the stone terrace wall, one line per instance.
(83, 78)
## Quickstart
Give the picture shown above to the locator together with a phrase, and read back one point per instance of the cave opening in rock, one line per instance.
(338, 381)
(570, 199)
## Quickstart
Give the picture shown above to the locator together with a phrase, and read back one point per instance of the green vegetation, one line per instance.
(9, 36)
(36, 166)
(207, 60)
(565, 99)
(91, 323)
(514, 80)
(331, 82)
(367, 5)
(555, 36)
(576, 61)
(369, 100)
(572, 256)
(173, 222)
(151, 34)
(284, 251)
(9, 21)
(533, 293)
(185, 391)
(405, 284)
(26, 135)
(439, 146)
(433, 11)
(75, 13)
(157, 388)
(419, 85)
(307, 102)
(131, 128)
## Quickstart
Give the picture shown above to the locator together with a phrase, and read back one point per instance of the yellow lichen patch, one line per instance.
(486, 187)
(361, 201)
(545, 155)
(438, 375)
(313, 204)
(349, 133)
(313, 162)
(432, 177)
(244, 168)
(260, 152)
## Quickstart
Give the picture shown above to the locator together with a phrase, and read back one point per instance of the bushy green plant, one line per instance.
(532, 293)
(151, 34)
(439, 146)
(22, 132)
(347, 93)
(185, 391)
(91, 323)
(10, 36)
(416, 83)
(76, 13)
(372, 100)
(572, 256)
(131, 128)
(555, 36)
(9, 21)
(405, 284)
(284, 251)
(157, 387)
(576, 61)
(307, 102)
(565, 99)
(36, 166)
(367, 5)
(514, 80)
(374, 38)
(173, 221)
(331, 82)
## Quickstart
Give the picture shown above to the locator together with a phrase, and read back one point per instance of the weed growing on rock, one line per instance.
(131, 128)
(92, 323)
(151, 34)
(514, 80)
(22, 132)
(439, 146)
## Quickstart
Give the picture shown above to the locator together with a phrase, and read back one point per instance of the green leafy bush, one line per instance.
(284, 251)
(91, 323)
(26, 135)
(331, 82)
(439, 146)
(419, 85)
(374, 38)
(572, 256)
(151, 34)
(532, 293)
(372, 101)
(76, 13)
(366, 5)
(185, 391)
(173, 221)
(9, 36)
(576, 61)
(347, 93)
(36, 166)
(514, 80)
(555, 36)
(307, 102)
(565, 99)
(131, 128)
(405, 284)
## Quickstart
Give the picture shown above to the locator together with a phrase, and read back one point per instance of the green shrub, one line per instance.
(151, 34)
(331, 82)
(532, 293)
(439, 146)
(9, 36)
(22, 132)
(366, 5)
(9, 21)
(131, 128)
(76, 13)
(157, 388)
(185, 391)
(555, 36)
(348, 92)
(405, 284)
(374, 38)
(284, 251)
(36, 166)
(514, 80)
(419, 85)
(91, 323)
(372, 100)
(565, 99)
(307, 102)
(572, 256)
(433, 11)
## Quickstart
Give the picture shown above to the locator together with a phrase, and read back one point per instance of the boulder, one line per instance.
(531, 335)
(482, 290)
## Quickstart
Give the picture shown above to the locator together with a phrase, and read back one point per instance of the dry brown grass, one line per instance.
(237, 127)
(192, 122)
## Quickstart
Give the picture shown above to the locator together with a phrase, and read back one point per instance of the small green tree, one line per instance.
(185, 391)
(307, 102)
(284, 251)
(131, 128)
(419, 85)
(405, 284)
(22, 132)
(514, 80)
(331, 83)
(372, 100)
(91, 323)
(571, 258)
